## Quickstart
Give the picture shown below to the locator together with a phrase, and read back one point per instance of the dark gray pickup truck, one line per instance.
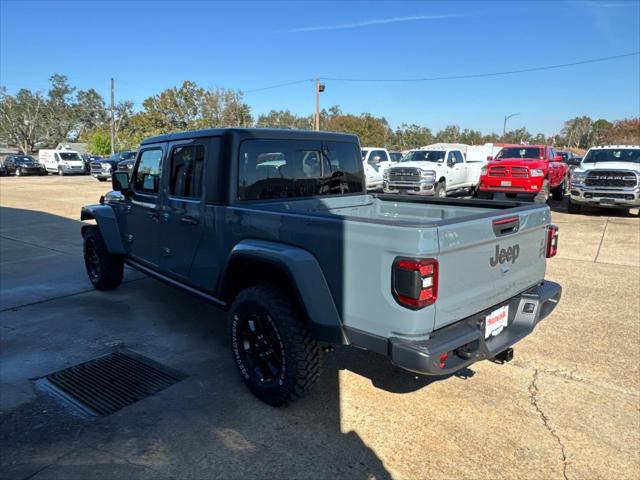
(276, 227)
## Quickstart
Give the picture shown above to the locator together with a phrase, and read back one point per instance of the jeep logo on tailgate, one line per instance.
(510, 254)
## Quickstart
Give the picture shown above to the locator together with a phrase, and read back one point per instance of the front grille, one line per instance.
(109, 383)
(611, 178)
(96, 168)
(509, 172)
(404, 174)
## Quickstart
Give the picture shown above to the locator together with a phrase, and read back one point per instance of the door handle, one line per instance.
(189, 220)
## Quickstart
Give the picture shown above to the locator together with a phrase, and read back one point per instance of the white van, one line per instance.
(62, 162)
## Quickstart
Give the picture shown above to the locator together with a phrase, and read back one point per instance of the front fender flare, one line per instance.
(107, 221)
(307, 278)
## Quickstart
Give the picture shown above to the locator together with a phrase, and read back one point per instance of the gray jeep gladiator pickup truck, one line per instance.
(276, 227)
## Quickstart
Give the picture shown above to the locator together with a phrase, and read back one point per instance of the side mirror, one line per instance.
(120, 182)
(450, 163)
(558, 158)
(489, 158)
(575, 161)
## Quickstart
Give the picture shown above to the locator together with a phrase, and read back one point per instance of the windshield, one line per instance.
(364, 153)
(529, 153)
(24, 159)
(69, 156)
(128, 156)
(613, 155)
(424, 156)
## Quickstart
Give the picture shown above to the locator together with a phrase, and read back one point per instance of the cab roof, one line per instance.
(240, 134)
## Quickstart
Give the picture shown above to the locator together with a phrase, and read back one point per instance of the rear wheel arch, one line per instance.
(246, 269)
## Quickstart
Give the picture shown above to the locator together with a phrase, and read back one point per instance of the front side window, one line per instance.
(270, 169)
(187, 166)
(147, 178)
(459, 157)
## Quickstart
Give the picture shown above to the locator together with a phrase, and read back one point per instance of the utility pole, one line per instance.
(319, 89)
(504, 125)
(113, 119)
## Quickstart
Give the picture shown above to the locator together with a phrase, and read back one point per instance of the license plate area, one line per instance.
(505, 183)
(607, 201)
(496, 321)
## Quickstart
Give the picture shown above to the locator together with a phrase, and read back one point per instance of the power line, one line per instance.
(278, 85)
(479, 75)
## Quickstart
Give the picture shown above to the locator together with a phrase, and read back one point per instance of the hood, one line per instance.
(421, 165)
(609, 166)
(517, 162)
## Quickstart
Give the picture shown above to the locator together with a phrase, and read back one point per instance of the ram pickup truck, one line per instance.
(609, 177)
(276, 227)
(103, 168)
(375, 161)
(534, 170)
(432, 171)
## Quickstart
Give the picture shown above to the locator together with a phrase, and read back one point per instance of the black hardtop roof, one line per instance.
(254, 133)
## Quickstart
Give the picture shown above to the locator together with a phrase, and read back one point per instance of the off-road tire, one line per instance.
(558, 192)
(441, 189)
(302, 357)
(573, 207)
(104, 269)
(543, 195)
(511, 195)
(485, 195)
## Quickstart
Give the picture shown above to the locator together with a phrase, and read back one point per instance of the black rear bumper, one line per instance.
(464, 342)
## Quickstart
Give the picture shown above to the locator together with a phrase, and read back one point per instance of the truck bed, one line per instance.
(356, 239)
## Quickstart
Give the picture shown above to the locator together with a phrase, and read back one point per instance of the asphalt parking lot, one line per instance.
(567, 406)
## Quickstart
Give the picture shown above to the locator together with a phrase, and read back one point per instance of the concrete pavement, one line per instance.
(568, 406)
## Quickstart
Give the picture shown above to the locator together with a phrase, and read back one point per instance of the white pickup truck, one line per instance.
(375, 161)
(432, 171)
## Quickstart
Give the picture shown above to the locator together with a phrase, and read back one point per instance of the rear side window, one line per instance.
(187, 166)
(296, 168)
(147, 178)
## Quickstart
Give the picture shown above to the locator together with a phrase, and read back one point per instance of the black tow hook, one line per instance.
(504, 356)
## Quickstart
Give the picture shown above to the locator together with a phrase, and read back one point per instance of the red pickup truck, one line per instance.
(529, 169)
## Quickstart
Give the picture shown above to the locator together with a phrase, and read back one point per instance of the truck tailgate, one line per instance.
(482, 264)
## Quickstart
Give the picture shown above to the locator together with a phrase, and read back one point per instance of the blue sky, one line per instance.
(150, 46)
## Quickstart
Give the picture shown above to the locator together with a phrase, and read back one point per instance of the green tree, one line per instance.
(100, 143)
(578, 131)
(450, 134)
(406, 137)
(23, 119)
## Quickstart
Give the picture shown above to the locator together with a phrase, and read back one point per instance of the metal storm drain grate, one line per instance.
(114, 381)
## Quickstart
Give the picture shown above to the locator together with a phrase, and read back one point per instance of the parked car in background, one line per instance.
(23, 165)
(432, 171)
(395, 156)
(126, 165)
(62, 162)
(375, 161)
(103, 168)
(301, 257)
(608, 177)
(88, 159)
(534, 170)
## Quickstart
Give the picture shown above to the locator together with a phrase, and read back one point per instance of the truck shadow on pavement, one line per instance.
(206, 426)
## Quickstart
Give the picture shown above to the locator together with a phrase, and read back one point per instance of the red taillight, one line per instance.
(414, 283)
(552, 241)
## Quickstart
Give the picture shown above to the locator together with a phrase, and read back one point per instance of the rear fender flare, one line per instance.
(305, 276)
(107, 221)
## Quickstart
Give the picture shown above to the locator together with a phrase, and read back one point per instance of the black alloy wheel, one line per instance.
(261, 347)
